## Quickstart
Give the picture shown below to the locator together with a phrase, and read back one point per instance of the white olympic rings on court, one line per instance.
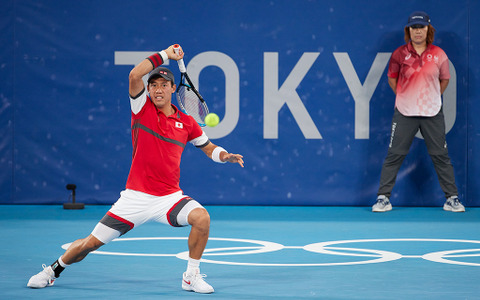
(327, 248)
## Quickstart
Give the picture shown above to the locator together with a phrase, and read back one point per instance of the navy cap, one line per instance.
(161, 72)
(418, 18)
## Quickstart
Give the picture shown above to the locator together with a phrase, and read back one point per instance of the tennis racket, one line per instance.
(188, 98)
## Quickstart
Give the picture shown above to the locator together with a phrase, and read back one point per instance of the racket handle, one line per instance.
(181, 64)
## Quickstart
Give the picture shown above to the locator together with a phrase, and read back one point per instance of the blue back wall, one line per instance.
(300, 88)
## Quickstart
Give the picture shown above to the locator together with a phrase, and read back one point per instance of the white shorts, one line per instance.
(134, 208)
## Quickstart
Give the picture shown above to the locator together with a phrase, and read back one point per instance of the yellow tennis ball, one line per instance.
(212, 120)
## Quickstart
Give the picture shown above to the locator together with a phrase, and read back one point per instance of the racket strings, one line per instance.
(191, 103)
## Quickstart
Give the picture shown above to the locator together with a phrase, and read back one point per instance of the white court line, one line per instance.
(326, 248)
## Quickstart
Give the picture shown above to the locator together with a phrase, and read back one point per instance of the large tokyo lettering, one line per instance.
(276, 95)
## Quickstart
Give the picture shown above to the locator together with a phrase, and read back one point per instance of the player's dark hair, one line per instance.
(430, 34)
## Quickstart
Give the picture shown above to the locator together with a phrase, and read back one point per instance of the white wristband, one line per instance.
(164, 56)
(216, 154)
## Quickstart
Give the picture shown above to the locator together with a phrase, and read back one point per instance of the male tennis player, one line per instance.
(160, 132)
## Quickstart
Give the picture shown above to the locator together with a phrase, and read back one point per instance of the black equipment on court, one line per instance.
(73, 205)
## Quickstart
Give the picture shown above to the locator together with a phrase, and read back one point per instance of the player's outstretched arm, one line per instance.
(221, 155)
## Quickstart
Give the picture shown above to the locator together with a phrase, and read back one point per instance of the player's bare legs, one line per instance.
(199, 219)
(80, 248)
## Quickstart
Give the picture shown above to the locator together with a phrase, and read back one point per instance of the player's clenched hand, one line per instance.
(171, 53)
(233, 158)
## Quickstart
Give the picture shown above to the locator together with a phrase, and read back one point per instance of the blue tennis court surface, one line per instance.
(253, 253)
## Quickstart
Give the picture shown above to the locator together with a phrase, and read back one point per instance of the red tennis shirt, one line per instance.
(158, 142)
(418, 85)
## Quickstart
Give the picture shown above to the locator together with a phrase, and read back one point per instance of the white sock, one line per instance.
(61, 263)
(193, 266)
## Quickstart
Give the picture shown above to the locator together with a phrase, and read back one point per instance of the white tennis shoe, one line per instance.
(383, 204)
(43, 279)
(196, 283)
(453, 204)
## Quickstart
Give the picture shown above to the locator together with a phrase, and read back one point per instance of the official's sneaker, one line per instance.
(383, 204)
(196, 283)
(43, 279)
(453, 204)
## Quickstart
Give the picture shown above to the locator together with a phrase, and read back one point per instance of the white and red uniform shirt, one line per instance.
(418, 84)
(158, 143)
